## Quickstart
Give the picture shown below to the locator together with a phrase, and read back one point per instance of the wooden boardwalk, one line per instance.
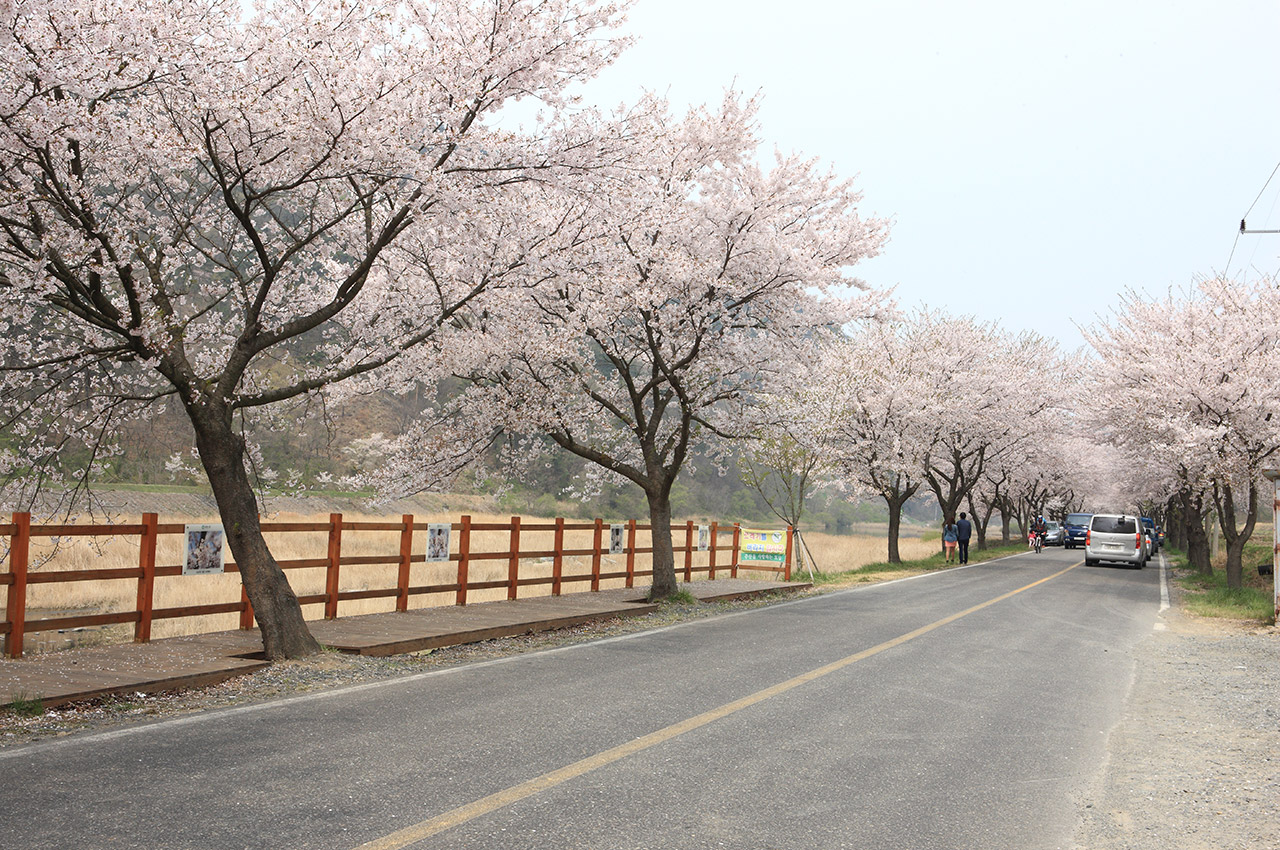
(198, 660)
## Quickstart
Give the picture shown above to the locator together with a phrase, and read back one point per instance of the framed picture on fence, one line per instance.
(616, 546)
(205, 550)
(704, 538)
(438, 541)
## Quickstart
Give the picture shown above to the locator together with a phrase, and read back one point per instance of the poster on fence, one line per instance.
(615, 539)
(758, 545)
(206, 551)
(704, 538)
(438, 541)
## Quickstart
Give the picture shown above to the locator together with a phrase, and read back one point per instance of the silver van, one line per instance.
(1115, 537)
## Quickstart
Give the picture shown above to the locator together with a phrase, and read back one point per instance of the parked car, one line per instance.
(1116, 537)
(1152, 532)
(1074, 529)
(1052, 533)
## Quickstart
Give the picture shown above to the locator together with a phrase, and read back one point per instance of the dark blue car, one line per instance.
(1152, 532)
(1075, 527)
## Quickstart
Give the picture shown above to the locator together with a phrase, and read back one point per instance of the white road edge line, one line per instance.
(204, 716)
(1164, 583)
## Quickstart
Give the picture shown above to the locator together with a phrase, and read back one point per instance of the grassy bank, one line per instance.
(1209, 596)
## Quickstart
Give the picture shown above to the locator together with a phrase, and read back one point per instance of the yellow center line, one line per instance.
(493, 802)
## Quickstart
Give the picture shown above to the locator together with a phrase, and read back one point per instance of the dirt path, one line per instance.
(1195, 762)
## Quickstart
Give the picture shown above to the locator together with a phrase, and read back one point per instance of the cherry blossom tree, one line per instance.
(793, 449)
(1191, 383)
(931, 400)
(230, 213)
(709, 278)
(987, 387)
(883, 394)
(788, 455)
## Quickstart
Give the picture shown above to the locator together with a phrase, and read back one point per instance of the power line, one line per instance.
(1243, 228)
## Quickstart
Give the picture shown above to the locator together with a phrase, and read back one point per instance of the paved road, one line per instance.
(965, 709)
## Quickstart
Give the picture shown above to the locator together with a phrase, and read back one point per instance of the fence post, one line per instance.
(786, 575)
(406, 560)
(711, 552)
(513, 564)
(631, 553)
(146, 581)
(464, 557)
(557, 567)
(688, 551)
(246, 610)
(737, 538)
(595, 555)
(331, 575)
(15, 608)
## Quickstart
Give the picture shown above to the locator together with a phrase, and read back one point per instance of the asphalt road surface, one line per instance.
(963, 709)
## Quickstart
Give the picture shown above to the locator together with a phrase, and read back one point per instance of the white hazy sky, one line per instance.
(1037, 158)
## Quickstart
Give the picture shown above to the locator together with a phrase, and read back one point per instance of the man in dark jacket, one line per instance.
(966, 531)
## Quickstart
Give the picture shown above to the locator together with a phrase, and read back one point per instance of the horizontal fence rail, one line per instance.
(690, 560)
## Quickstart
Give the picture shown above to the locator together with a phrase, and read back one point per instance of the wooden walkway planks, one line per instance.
(431, 628)
(198, 660)
(90, 672)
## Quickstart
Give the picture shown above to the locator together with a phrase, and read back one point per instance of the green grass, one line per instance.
(25, 705)
(681, 597)
(152, 488)
(1209, 596)
(873, 572)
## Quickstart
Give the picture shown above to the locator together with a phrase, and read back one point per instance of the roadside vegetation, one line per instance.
(1207, 594)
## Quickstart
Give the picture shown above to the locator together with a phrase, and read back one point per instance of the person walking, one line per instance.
(964, 530)
(950, 534)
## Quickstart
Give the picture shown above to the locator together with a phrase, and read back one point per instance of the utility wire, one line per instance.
(1258, 242)
(1246, 216)
(1263, 189)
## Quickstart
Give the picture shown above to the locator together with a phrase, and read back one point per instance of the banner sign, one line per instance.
(438, 541)
(616, 546)
(759, 545)
(206, 551)
(704, 538)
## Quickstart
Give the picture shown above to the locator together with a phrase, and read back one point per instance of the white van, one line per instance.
(1115, 537)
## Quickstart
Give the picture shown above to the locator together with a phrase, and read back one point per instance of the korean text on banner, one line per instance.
(763, 545)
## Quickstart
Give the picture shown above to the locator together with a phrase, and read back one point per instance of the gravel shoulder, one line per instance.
(1195, 761)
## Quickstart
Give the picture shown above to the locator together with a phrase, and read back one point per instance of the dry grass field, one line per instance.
(831, 553)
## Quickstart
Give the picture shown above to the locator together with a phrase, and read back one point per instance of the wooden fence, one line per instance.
(20, 533)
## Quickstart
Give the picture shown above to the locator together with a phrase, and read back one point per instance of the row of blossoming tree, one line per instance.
(246, 216)
(1175, 412)
(243, 215)
(924, 402)
(1188, 389)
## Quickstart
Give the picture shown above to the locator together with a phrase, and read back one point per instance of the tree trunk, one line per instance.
(895, 526)
(1173, 528)
(664, 560)
(1005, 519)
(1197, 539)
(980, 522)
(1235, 539)
(275, 606)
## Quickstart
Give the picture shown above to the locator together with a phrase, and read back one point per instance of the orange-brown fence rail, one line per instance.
(691, 559)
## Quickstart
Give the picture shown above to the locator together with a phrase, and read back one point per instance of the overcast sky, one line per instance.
(1037, 158)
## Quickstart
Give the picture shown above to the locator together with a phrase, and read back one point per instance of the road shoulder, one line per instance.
(1194, 762)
